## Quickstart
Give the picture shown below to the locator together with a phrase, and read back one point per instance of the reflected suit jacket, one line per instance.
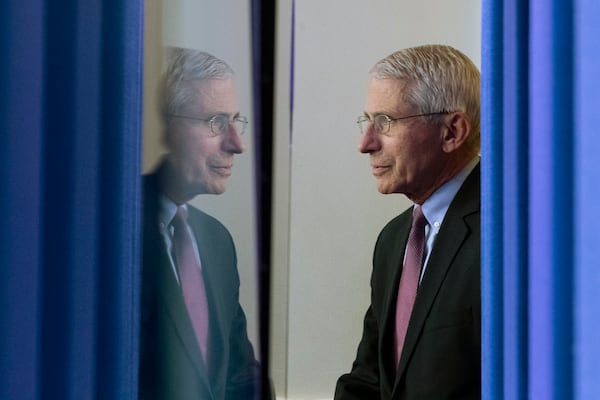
(442, 350)
(171, 366)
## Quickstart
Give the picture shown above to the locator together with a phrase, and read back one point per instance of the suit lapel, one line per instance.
(170, 296)
(455, 230)
(393, 265)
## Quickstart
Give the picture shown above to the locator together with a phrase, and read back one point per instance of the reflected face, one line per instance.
(409, 157)
(203, 161)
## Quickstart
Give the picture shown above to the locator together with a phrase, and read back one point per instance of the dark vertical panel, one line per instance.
(563, 192)
(263, 63)
(58, 189)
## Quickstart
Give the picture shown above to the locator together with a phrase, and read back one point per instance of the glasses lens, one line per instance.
(240, 124)
(382, 123)
(363, 123)
(218, 124)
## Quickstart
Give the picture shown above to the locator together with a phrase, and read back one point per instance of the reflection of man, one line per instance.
(194, 343)
(422, 335)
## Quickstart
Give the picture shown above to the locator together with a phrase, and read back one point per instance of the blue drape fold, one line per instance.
(491, 193)
(539, 280)
(70, 129)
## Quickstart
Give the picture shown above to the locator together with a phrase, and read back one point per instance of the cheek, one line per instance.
(398, 155)
(192, 147)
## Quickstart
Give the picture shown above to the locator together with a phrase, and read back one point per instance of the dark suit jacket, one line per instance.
(442, 351)
(170, 359)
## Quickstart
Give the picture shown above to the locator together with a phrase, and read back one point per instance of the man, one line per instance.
(422, 335)
(194, 343)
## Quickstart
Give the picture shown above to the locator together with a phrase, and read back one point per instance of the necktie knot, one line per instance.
(419, 220)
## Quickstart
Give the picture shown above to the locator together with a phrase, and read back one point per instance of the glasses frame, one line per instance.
(211, 120)
(364, 118)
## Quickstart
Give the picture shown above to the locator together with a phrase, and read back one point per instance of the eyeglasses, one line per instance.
(219, 123)
(382, 122)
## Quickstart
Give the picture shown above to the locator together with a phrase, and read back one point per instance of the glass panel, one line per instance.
(327, 211)
(211, 168)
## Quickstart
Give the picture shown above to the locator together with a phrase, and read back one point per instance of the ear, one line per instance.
(456, 132)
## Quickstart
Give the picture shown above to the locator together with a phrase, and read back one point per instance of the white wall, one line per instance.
(335, 210)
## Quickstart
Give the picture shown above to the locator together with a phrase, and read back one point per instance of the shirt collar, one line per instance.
(166, 210)
(436, 206)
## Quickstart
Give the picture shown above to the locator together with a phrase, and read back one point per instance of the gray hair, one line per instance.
(184, 67)
(439, 78)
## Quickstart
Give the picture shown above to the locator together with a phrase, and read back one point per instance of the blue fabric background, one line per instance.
(70, 129)
(540, 105)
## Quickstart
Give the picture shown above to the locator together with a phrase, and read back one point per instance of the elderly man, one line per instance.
(194, 343)
(422, 334)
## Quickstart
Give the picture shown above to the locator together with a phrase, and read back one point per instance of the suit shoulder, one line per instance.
(207, 221)
(398, 221)
(395, 231)
(150, 191)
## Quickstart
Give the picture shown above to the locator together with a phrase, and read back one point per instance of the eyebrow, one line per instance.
(225, 114)
(375, 114)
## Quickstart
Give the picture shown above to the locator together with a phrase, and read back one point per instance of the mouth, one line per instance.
(379, 170)
(223, 170)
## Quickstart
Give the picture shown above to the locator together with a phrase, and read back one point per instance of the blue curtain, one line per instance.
(70, 124)
(540, 113)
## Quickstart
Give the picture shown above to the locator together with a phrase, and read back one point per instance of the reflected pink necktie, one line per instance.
(409, 280)
(190, 278)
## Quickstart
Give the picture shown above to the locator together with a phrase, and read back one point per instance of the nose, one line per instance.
(369, 140)
(232, 141)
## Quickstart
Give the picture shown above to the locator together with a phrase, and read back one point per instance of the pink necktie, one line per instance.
(409, 280)
(190, 278)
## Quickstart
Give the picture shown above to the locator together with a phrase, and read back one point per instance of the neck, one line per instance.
(171, 185)
(448, 171)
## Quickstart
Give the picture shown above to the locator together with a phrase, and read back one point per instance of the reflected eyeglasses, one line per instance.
(219, 123)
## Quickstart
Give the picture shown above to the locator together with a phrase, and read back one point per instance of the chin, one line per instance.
(384, 189)
(389, 189)
(216, 189)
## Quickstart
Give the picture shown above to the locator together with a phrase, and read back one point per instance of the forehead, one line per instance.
(215, 95)
(386, 96)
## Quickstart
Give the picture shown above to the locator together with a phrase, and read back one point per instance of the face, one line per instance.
(409, 158)
(202, 161)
